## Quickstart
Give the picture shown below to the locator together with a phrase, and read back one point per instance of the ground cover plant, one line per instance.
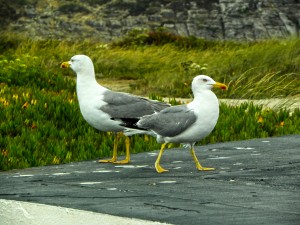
(40, 121)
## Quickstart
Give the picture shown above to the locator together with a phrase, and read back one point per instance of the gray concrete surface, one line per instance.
(255, 182)
(26, 213)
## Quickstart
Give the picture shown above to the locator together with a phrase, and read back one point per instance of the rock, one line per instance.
(110, 19)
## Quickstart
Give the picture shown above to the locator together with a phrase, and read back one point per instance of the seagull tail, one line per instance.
(130, 132)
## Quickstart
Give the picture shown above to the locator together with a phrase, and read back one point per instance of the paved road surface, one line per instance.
(255, 182)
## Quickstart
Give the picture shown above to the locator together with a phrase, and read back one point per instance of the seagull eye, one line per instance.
(204, 80)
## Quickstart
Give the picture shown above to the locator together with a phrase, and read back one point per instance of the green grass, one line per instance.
(166, 69)
(40, 119)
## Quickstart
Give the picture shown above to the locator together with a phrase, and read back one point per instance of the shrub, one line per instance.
(73, 8)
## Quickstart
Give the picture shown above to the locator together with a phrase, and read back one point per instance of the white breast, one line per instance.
(90, 101)
(207, 112)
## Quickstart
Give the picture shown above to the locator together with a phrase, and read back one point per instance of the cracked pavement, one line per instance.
(255, 182)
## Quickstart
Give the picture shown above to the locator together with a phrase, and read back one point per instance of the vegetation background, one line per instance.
(40, 121)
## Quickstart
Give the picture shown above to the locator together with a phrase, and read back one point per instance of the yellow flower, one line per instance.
(4, 101)
(4, 153)
(25, 105)
(56, 160)
(15, 96)
(25, 95)
(33, 101)
(260, 119)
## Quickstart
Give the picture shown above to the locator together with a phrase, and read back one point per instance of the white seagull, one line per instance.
(188, 123)
(107, 110)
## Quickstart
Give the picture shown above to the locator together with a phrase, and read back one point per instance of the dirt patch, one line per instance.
(116, 85)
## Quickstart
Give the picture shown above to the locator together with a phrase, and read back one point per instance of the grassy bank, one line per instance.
(41, 123)
(253, 70)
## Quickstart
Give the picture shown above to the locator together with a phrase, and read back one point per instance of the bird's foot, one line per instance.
(159, 169)
(112, 160)
(124, 161)
(201, 168)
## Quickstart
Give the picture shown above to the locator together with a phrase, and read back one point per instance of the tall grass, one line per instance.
(159, 68)
(260, 86)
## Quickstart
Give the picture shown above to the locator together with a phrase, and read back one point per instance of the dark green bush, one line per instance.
(161, 36)
(73, 8)
(95, 2)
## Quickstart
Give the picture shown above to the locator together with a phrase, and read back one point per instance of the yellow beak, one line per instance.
(65, 65)
(220, 85)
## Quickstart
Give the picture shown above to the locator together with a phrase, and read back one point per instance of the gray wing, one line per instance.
(121, 105)
(170, 121)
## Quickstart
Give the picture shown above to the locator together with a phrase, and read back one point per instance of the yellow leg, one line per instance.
(158, 168)
(198, 165)
(127, 159)
(115, 149)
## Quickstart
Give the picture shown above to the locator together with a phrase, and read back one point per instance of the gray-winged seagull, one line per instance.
(107, 110)
(188, 123)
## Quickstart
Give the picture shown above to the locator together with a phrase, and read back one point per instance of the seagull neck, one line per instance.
(87, 82)
(200, 93)
(203, 95)
(86, 78)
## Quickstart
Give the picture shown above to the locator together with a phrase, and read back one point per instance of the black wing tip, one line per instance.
(130, 123)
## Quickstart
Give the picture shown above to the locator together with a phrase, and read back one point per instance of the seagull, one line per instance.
(107, 110)
(186, 124)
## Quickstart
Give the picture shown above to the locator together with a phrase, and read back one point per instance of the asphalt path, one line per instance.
(255, 182)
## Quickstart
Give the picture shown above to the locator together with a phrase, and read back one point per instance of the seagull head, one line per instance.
(79, 64)
(203, 82)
